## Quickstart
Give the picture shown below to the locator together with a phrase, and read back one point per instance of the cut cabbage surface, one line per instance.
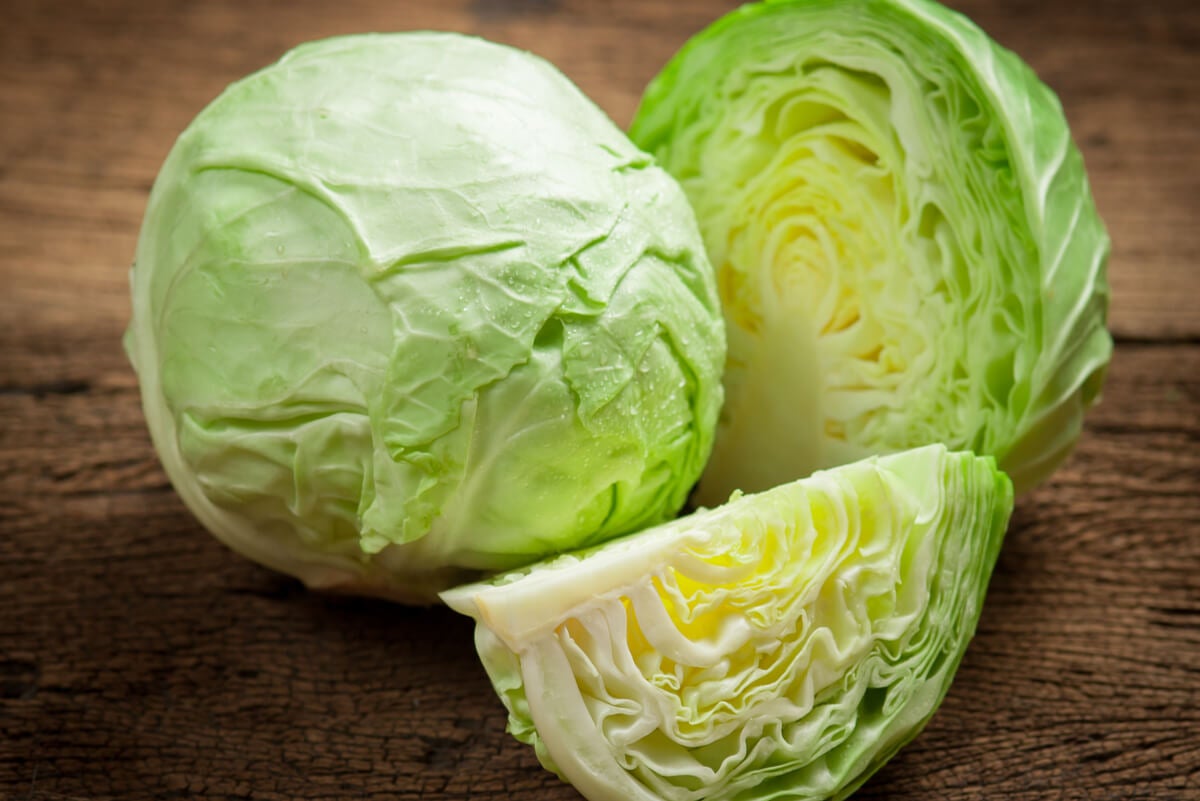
(906, 245)
(782, 646)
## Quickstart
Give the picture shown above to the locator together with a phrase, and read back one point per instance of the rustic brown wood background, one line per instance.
(141, 660)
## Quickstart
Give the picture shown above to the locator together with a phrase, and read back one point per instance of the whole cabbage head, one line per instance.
(906, 245)
(409, 307)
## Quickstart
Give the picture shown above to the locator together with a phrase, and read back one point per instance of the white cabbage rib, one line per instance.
(782, 646)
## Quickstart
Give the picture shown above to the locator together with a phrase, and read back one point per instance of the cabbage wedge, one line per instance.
(906, 244)
(782, 646)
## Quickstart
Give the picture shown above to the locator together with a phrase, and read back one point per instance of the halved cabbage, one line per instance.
(782, 646)
(906, 245)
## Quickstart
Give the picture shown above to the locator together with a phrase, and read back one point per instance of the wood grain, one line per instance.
(99, 90)
(139, 659)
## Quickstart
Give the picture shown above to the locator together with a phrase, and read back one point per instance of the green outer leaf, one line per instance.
(1051, 243)
(783, 646)
(408, 307)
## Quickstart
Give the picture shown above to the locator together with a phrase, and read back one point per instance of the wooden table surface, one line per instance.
(139, 659)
